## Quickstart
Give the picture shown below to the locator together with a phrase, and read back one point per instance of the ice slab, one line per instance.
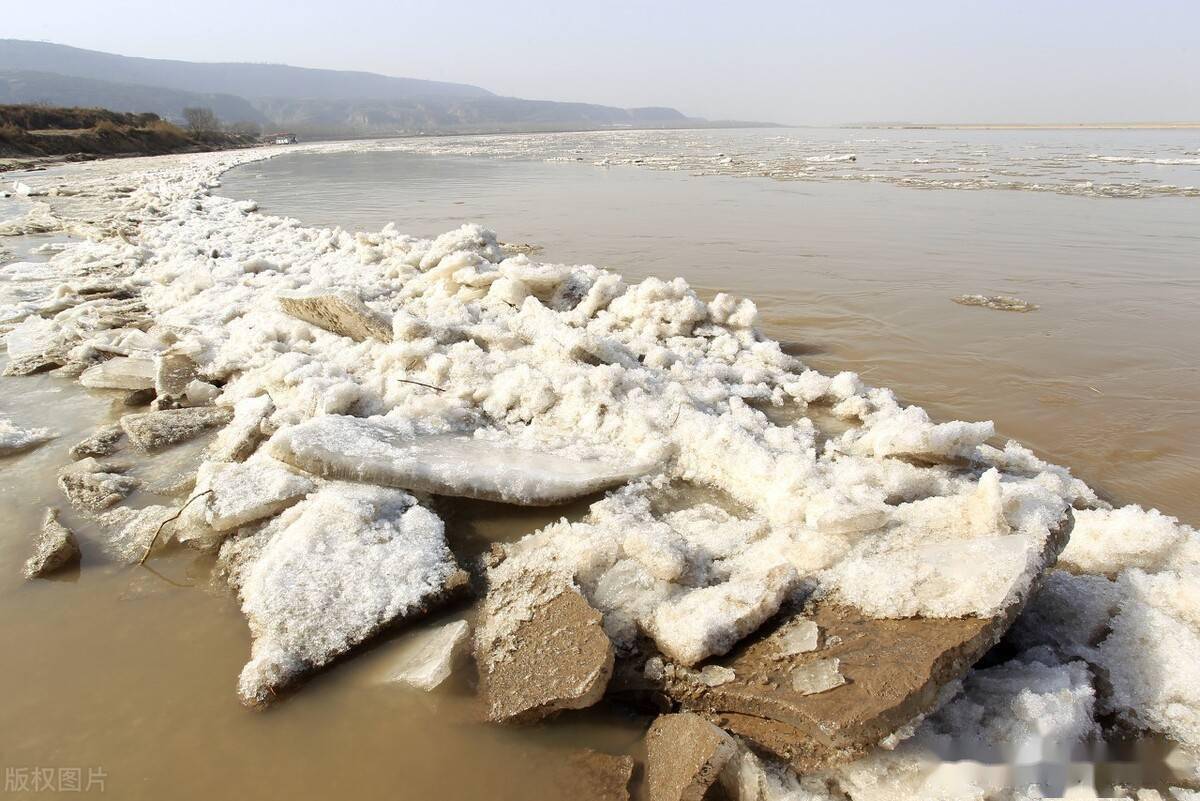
(15, 440)
(817, 677)
(229, 495)
(121, 372)
(379, 451)
(336, 569)
(427, 657)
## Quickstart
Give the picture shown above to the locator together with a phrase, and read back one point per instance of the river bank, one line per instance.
(39, 136)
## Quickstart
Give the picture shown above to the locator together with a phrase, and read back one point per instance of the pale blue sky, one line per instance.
(792, 62)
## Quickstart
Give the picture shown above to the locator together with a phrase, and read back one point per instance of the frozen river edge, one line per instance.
(528, 373)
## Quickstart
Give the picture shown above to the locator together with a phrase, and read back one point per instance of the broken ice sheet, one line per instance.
(798, 639)
(337, 568)
(425, 658)
(15, 440)
(121, 372)
(817, 677)
(390, 452)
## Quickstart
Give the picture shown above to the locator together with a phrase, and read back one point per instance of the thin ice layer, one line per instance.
(392, 453)
(337, 568)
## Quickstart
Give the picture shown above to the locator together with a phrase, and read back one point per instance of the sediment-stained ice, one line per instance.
(393, 453)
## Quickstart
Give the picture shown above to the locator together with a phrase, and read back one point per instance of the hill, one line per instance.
(313, 102)
(244, 79)
(70, 91)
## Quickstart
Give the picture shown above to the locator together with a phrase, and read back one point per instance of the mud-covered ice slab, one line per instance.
(686, 755)
(342, 313)
(392, 453)
(560, 657)
(331, 572)
(152, 431)
(868, 677)
(54, 548)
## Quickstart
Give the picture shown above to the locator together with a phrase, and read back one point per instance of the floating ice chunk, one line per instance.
(338, 567)
(1028, 709)
(627, 594)
(381, 451)
(427, 657)
(201, 393)
(15, 440)
(34, 335)
(710, 620)
(817, 677)
(93, 486)
(152, 431)
(121, 372)
(54, 548)
(799, 638)
(252, 490)
(997, 302)
(715, 675)
(659, 550)
(129, 532)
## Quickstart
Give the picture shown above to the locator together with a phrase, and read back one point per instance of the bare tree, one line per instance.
(201, 120)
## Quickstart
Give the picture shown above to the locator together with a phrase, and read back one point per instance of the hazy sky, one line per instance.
(792, 62)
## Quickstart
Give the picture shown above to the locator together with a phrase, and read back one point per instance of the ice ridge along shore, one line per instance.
(356, 374)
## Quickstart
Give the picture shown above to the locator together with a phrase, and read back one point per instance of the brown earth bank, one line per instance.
(31, 135)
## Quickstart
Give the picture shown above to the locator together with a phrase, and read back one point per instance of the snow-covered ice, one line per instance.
(334, 570)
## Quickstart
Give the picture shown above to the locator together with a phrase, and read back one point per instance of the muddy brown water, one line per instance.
(128, 674)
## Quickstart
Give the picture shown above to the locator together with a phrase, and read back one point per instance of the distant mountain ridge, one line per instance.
(244, 79)
(309, 101)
